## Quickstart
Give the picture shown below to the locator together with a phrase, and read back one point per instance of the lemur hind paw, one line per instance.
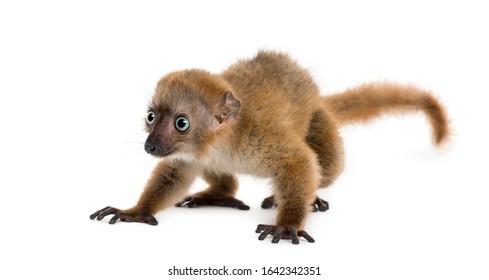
(201, 200)
(269, 202)
(318, 204)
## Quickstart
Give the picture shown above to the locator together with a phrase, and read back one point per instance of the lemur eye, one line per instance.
(182, 124)
(150, 118)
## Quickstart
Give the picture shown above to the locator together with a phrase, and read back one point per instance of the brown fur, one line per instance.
(264, 117)
(369, 101)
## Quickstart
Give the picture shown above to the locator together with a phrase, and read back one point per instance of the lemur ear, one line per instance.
(227, 108)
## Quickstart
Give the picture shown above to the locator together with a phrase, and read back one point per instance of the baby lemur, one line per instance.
(264, 116)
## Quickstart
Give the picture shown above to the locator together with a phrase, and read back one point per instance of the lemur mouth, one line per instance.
(167, 153)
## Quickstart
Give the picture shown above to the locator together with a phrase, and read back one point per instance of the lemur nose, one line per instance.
(149, 148)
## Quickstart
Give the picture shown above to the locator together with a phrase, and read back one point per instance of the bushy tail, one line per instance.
(369, 101)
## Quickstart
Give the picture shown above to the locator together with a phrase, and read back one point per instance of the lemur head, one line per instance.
(187, 112)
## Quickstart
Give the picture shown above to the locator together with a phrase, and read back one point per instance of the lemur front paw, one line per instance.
(202, 200)
(124, 215)
(282, 233)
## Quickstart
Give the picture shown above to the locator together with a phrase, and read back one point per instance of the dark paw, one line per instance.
(194, 201)
(282, 233)
(268, 202)
(123, 216)
(319, 204)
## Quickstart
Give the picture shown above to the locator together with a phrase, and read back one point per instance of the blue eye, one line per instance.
(182, 124)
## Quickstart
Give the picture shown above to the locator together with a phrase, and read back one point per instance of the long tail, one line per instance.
(369, 101)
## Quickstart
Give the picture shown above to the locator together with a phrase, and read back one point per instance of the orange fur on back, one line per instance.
(363, 103)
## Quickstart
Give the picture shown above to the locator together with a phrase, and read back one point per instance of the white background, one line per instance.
(74, 81)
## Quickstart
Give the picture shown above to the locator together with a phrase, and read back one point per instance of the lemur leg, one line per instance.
(296, 180)
(169, 182)
(324, 140)
(221, 191)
